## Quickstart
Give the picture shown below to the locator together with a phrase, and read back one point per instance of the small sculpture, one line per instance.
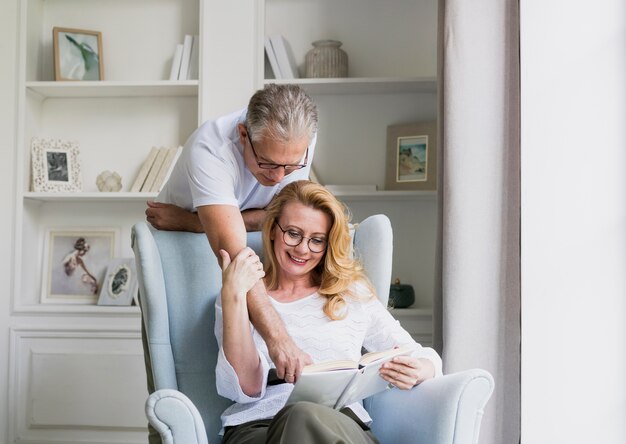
(109, 181)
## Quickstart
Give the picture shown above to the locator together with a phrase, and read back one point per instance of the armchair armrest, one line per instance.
(447, 409)
(175, 417)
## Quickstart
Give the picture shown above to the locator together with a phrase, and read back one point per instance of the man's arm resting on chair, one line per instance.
(170, 217)
(225, 228)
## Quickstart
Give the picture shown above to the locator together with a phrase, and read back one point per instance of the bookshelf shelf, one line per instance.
(364, 85)
(68, 90)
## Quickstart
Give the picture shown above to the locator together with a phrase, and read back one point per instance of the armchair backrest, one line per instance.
(179, 279)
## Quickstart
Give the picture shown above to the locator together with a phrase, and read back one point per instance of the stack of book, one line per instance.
(156, 169)
(280, 58)
(186, 61)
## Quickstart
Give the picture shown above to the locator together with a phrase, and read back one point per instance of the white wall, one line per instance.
(8, 20)
(573, 221)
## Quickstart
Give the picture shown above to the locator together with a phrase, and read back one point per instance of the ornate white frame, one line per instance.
(40, 175)
(128, 291)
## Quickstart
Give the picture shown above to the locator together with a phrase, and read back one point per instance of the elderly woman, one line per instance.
(330, 310)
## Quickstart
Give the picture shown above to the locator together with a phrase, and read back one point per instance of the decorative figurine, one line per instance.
(109, 181)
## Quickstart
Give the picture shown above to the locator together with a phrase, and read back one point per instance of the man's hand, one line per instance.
(288, 359)
(169, 217)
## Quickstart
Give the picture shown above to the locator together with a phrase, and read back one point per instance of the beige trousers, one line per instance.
(303, 423)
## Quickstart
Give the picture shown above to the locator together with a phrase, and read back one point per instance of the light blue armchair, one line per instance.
(179, 278)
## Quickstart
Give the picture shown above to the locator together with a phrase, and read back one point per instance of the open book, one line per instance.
(340, 383)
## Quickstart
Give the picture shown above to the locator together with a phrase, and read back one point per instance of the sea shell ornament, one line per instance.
(109, 181)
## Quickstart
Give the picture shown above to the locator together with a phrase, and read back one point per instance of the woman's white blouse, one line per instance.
(368, 324)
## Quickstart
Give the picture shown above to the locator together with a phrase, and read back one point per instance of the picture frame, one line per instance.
(55, 165)
(75, 263)
(412, 156)
(120, 285)
(77, 54)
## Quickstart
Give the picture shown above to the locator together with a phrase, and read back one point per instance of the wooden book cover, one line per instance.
(166, 168)
(144, 170)
(177, 154)
(154, 170)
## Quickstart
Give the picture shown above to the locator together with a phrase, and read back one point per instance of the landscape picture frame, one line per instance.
(77, 54)
(55, 165)
(74, 263)
(412, 156)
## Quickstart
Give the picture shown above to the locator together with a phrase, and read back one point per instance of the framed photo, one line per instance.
(77, 54)
(412, 156)
(55, 165)
(75, 263)
(120, 283)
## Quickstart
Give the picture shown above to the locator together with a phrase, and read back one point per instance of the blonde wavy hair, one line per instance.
(337, 270)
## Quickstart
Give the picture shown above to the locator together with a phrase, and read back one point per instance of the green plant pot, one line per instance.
(401, 295)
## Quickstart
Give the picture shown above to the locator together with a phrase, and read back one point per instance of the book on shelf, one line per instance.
(166, 168)
(271, 56)
(144, 170)
(286, 63)
(337, 384)
(194, 60)
(154, 170)
(178, 55)
(186, 57)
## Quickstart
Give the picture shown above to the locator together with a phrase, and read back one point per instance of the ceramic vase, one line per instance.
(326, 59)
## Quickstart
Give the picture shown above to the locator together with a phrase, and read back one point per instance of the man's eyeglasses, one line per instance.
(272, 166)
(294, 238)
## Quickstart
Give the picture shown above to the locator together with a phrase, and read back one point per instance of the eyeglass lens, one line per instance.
(293, 239)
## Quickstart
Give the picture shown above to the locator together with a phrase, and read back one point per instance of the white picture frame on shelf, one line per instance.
(75, 262)
(55, 165)
(119, 286)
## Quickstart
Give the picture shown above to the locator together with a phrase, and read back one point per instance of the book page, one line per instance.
(330, 365)
(323, 388)
(366, 382)
(368, 358)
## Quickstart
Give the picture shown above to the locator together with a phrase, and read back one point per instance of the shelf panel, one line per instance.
(364, 85)
(411, 311)
(385, 195)
(89, 197)
(165, 88)
(71, 309)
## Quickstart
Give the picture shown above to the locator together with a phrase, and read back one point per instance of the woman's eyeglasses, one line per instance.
(294, 238)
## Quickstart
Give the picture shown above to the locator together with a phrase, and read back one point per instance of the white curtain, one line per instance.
(477, 303)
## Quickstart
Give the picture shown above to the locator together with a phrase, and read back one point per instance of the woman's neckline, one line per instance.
(303, 298)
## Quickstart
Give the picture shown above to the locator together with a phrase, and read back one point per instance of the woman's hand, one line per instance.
(240, 274)
(405, 372)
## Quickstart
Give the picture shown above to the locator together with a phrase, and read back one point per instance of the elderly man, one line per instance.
(229, 170)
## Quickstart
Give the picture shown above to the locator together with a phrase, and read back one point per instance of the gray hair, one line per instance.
(282, 113)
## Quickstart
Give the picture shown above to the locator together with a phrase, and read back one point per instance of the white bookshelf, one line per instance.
(392, 51)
